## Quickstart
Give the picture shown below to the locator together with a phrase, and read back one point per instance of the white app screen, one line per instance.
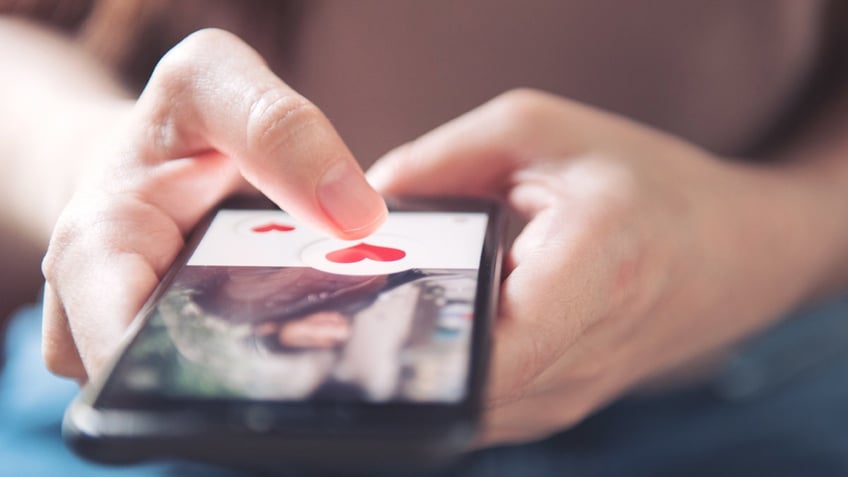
(447, 240)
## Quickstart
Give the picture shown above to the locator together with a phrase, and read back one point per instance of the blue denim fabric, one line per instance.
(780, 408)
(32, 403)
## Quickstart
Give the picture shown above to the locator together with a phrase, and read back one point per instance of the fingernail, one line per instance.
(348, 199)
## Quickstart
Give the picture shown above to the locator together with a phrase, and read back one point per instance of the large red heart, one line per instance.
(362, 251)
(272, 227)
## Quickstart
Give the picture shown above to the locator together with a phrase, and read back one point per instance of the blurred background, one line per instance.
(738, 78)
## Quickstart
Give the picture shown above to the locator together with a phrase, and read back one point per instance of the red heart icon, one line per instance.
(362, 251)
(272, 227)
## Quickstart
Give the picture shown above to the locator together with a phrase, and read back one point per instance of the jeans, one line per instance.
(779, 407)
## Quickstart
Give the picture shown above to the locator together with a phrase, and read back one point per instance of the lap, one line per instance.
(777, 409)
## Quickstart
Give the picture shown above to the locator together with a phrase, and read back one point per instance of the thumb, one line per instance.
(478, 152)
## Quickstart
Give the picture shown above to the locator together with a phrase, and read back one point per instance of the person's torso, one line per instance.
(719, 73)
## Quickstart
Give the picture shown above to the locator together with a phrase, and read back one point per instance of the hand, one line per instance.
(640, 254)
(212, 120)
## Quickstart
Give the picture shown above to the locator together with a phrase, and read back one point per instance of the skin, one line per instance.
(641, 252)
(188, 141)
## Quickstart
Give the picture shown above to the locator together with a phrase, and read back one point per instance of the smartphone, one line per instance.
(269, 345)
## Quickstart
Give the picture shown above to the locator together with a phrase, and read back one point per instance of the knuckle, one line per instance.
(523, 116)
(610, 188)
(275, 116)
(408, 159)
(177, 71)
(80, 232)
(49, 264)
(521, 105)
(170, 88)
(57, 361)
(187, 56)
(207, 37)
(64, 234)
(53, 360)
(621, 180)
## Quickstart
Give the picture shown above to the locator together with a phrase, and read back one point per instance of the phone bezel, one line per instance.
(188, 417)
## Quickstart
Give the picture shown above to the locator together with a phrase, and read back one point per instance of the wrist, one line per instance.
(814, 200)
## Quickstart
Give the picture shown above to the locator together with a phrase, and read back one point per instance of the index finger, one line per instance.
(213, 92)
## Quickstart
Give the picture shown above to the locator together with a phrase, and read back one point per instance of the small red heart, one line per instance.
(362, 251)
(272, 227)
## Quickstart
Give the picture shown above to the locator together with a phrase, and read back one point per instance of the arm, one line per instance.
(818, 163)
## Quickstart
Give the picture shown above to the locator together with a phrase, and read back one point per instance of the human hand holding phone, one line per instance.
(211, 121)
(641, 254)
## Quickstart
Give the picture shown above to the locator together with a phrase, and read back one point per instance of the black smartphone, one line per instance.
(268, 345)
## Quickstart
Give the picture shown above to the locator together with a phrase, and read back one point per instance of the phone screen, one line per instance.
(265, 308)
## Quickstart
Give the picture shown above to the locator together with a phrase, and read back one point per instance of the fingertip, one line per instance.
(367, 228)
(382, 173)
(378, 177)
(354, 207)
